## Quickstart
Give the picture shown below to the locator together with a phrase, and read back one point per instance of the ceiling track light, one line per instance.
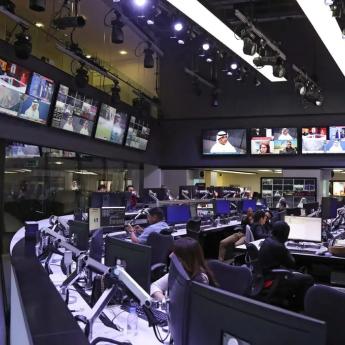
(22, 44)
(115, 93)
(81, 77)
(117, 35)
(275, 61)
(149, 61)
(37, 5)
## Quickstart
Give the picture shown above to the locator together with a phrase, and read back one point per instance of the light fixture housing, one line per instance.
(64, 23)
(81, 77)
(37, 5)
(117, 35)
(148, 57)
(22, 44)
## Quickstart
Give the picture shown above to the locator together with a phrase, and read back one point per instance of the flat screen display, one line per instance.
(138, 134)
(14, 81)
(56, 153)
(339, 188)
(111, 125)
(304, 228)
(36, 103)
(19, 150)
(314, 139)
(279, 141)
(224, 142)
(336, 140)
(74, 112)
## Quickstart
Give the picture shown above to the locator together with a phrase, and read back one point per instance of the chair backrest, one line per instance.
(179, 285)
(193, 228)
(249, 234)
(327, 304)
(252, 261)
(235, 279)
(161, 245)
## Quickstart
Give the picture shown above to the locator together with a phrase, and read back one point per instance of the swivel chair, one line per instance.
(235, 279)
(265, 286)
(162, 246)
(327, 304)
(193, 228)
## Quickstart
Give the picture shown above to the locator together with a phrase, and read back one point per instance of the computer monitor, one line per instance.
(113, 216)
(247, 322)
(179, 290)
(222, 207)
(100, 199)
(205, 210)
(81, 233)
(177, 214)
(248, 203)
(304, 228)
(136, 258)
(310, 207)
(293, 211)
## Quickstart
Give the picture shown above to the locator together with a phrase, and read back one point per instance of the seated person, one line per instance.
(156, 222)
(274, 254)
(258, 227)
(190, 253)
(268, 224)
(133, 200)
(238, 237)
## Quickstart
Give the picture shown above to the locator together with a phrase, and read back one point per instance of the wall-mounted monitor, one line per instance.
(14, 81)
(138, 133)
(74, 111)
(224, 142)
(19, 150)
(56, 153)
(314, 139)
(279, 141)
(111, 125)
(336, 140)
(338, 188)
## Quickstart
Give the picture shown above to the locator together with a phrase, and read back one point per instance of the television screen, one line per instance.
(336, 140)
(273, 141)
(138, 134)
(111, 125)
(56, 153)
(314, 139)
(224, 142)
(36, 104)
(19, 150)
(13, 85)
(74, 111)
(339, 188)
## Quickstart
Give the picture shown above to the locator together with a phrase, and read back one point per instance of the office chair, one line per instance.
(193, 228)
(265, 286)
(162, 246)
(327, 304)
(235, 279)
(249, 234)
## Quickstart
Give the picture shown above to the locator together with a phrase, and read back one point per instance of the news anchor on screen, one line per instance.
(285, 135)
(222, 145)
(32, 112)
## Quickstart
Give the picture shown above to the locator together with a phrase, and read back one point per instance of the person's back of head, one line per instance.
(191, 255)
(258, 215)
(281, 231)
(102, 188)
(157, 214)
(194, 224)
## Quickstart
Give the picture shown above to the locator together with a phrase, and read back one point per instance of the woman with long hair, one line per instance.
(190, 253)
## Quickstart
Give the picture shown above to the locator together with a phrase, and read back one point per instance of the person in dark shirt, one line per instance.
(258, 227)
(273, 254)
(268, 223)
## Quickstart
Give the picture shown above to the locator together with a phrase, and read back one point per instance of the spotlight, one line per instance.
(8, 5)
(148, 58)
(150, 21)
(215, 98)
(314, 96)
(275, 61)
(37, 5)
(329, 2)
(64, 23)
(300, 85)
(140, 3)
(180, 41)
(81, 77)
(117, 35)
(209, 59)
(249, 46)
(229, 73)
(22, 44)
(206, 46)
(336, 9)
(178, 26)
(115, 93)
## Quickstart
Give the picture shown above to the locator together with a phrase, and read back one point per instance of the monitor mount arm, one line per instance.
(154, 197)
(184, 194)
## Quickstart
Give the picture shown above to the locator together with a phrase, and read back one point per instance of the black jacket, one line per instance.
(274, 254)
(259, 231)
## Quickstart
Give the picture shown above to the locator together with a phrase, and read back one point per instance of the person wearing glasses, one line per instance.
(222, 145)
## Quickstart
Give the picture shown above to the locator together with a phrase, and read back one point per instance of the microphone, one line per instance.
(142, 211)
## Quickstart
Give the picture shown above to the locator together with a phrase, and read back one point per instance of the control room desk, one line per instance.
(324, 268)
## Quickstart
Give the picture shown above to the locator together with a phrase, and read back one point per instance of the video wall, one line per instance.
(274, 141)
(28, 95)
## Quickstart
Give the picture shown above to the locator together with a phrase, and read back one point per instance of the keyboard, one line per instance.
(160, 316)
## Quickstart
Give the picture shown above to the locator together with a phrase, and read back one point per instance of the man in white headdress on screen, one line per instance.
(222, 145)
(32, 112)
